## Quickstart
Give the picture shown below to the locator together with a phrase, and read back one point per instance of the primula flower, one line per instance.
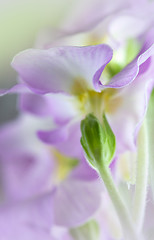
(42, 187)
(68, 84)
(59, 190)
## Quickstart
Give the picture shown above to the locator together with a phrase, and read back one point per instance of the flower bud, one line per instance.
(98, 141)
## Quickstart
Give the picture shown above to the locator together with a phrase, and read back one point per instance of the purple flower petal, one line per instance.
(22, 155)
(65, 138)
(84, 171)
(81, 192)
(58, 106)
(19, 88)
(76, 201)
(87, 14)
(62, 69)
(130, 72)
(27, 221)
(128, 118)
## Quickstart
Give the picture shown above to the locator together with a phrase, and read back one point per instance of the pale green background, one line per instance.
(20, 23)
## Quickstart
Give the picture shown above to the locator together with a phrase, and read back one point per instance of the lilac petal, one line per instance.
(148, 39)
(21, 134)
(27, 221)
(129, 73)
(61, 69)
(54, 136)
(65, 138)
(34, 169)
(27, 158)
(84, 171)
(76, 201)
(58, 106)
(122, 20)
(133, 100)
(133, 22)
(127, 120)
(19, 88)
(87, 14)
(148, 42)
(35, 104)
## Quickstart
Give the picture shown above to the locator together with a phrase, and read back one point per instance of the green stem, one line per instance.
(141, 178)
(122, 211)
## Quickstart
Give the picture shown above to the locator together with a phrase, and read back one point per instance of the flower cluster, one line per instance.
(77, 162)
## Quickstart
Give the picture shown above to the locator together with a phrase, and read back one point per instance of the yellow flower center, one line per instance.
(89, 101)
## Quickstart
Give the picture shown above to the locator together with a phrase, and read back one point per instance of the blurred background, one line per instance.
(20, 23)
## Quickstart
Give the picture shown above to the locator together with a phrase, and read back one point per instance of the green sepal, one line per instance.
(110, 143)
(98, 141)
(88, 231)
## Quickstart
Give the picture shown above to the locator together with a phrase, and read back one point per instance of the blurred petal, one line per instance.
(58, 106)
(76, 201)
(27, 221)
(128, 118)
(107, 218)
(65, 138)
(60, 233)
(84, 171)
(19, 88)
(132, 23)
(87, 14)
(22, 155)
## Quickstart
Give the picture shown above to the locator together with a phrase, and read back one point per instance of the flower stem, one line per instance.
(120, 207)
(141, 178)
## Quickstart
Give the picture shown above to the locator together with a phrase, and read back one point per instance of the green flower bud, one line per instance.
(98, 141)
